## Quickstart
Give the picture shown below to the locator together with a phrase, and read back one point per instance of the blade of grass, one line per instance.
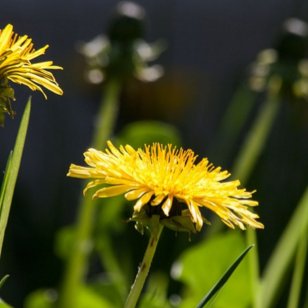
(298, 274)
(223, 279)
(246, 161)
(13, 168)
(283, 253)
(5, 179)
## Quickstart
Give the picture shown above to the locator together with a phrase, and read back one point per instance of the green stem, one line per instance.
(233, 121)
(107, 114)
(144, 267)
(299, 271)
(246, 161)
(257, 136)
(77, 263)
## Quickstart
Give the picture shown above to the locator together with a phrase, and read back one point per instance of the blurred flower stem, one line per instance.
(134, 294)
(246, 161)
(107, 114)
(233, 121)
(256, 139)
(77, 262)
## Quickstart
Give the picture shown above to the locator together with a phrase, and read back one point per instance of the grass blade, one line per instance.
(5, 179)
(283, 253)
(223, 279)
(12, 172)
(299, 270)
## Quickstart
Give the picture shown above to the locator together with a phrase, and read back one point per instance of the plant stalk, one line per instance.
(77, 263)
(156, 229)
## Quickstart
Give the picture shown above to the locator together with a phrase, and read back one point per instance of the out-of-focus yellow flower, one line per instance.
(16, 55)
(168, 181)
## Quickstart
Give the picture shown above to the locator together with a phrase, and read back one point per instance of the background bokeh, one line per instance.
(210, 45)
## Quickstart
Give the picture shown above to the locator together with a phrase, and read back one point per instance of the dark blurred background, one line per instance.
(210, 44)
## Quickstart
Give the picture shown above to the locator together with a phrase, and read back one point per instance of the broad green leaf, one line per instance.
(283, 253)
(13, 169)
(201, 266)
(146, 132)
(88, 298)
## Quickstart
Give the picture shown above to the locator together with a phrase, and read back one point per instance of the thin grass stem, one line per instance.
(299, 270)
(246, 161)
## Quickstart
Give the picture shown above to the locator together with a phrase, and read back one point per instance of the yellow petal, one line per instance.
(158, 199)
(166, 207)
(143, 200)
(111, 191)
(135, 194)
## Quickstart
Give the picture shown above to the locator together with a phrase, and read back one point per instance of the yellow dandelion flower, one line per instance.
(164, 178)
(16, 54)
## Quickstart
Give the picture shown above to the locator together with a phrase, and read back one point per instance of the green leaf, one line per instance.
(43, 298)
(146, 132)
(223, 279)
(89, 298)
(5, 179)
(4, 305)
(200, 267)
(284, 252)
(13, 169)
(47, 298)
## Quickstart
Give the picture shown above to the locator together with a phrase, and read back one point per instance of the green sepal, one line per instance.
(6, 98)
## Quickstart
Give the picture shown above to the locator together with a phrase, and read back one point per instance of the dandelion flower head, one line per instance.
(16, 65)
(165, 178)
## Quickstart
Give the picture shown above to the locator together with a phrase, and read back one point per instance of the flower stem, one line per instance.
(156, 229)
(257, 136)
(77, 263)
(233, 121)
(107, 114)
